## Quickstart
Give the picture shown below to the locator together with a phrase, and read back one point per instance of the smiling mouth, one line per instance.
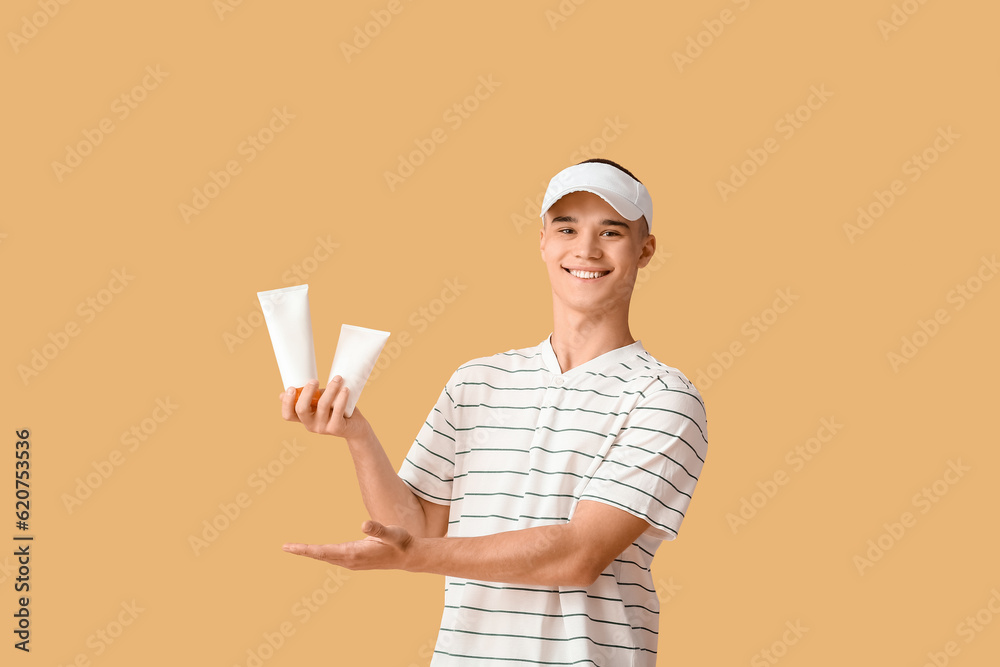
(586, 275)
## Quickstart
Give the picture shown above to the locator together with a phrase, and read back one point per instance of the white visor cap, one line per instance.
(625, 194)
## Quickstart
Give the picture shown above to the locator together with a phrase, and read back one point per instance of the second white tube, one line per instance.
(357, 351)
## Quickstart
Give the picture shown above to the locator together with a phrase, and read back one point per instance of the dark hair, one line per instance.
(613, 164)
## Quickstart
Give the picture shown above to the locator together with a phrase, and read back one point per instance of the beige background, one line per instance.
(464, 215)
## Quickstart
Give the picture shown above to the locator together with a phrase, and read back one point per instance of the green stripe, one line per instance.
(625, 465)
(518, 354)
(632, 562)
(578, 430)
(444, 418)
(407, 459)
(434, 453)
(538, 407)
(649, 451)
(535, 613)
(693, 421)
(563, 451)
(687, 393)
(645, 516)
(645, 551)
(533, 661)
(492, 449)
(501, 388)
(496, 493)
(627, 583)
(498, 407)
(445, 435)
(591, 391)
(509, 428)
(505, 370)
(617, 377)
(509, 518)
(480, 584)
(549, 495)
(673, 435)
(636, 488)
(491, 472)
(547, 639)
(446, 500)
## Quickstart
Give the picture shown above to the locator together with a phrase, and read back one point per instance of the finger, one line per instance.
(335, 424)
(303, 406)
(317, 551)
(329, 394)
(288, 405)
(340, 402)
(395, 536)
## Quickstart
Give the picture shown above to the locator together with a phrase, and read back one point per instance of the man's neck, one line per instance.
(579, 337)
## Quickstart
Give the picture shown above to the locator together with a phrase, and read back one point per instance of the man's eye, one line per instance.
(613, 233)
(565, 229)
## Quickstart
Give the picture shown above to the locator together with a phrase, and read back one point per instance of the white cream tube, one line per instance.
(357, 351)
(286, 313)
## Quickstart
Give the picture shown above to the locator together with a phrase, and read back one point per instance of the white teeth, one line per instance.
(588, 274)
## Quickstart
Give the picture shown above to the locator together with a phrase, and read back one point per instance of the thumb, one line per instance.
(394, 535)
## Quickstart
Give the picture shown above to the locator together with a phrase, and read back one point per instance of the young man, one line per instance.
(545, 478)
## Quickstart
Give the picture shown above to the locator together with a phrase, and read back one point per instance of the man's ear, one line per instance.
(648, 248)
(541, 239)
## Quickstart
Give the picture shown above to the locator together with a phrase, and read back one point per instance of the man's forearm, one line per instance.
(386, 497)
(539, 556)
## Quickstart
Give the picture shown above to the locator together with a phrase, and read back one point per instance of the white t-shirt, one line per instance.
(514, 442)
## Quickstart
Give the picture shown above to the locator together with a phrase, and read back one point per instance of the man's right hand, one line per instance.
(328, 415)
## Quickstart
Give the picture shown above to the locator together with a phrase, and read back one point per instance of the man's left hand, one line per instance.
(385, 548)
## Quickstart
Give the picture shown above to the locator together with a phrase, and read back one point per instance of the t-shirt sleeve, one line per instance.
(653, 465)
(429, 466)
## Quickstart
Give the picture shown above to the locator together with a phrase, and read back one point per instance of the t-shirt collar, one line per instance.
(609, 358)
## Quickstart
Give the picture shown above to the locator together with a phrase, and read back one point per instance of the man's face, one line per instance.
(593, 253)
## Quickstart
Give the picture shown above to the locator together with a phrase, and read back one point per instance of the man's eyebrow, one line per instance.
(607, 222)
(615, 223)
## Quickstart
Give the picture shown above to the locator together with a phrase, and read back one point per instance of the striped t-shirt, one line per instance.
(514, 442)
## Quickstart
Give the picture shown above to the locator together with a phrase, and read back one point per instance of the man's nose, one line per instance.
(587, 245)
